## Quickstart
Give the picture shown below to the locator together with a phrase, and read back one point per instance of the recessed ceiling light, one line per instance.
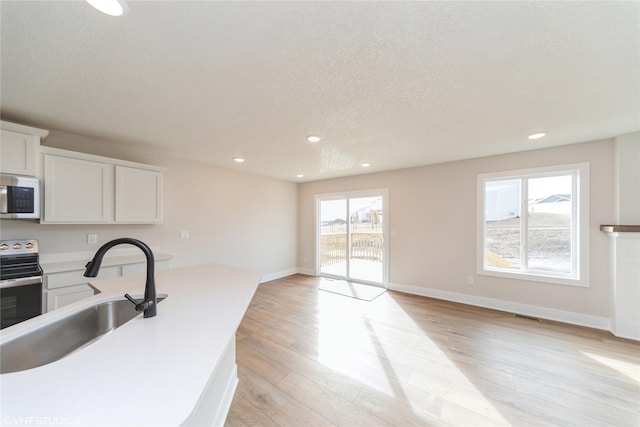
(313, 138)
(110, 7)
(238, 159)
(365, 165)
(300, 175)
(537, 135)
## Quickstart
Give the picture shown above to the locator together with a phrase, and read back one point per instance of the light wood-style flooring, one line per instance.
(308, 357)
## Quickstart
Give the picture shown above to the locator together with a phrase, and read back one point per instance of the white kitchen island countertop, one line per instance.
(147, 372)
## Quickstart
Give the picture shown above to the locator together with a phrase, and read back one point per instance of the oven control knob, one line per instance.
(4, 247)
(17, 246)
(29, 245)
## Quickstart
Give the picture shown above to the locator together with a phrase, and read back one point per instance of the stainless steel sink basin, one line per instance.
(60, 338)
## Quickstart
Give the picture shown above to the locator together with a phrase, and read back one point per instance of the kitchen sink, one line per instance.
(62, 337)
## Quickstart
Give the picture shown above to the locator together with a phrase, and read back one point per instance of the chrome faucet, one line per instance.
(150, 301)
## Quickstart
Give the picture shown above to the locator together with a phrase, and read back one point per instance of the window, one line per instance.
(533, 224)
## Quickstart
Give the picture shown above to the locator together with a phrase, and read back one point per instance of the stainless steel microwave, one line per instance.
(19, 197)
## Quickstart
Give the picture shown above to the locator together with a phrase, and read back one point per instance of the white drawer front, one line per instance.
(70, 278)
(130, 269)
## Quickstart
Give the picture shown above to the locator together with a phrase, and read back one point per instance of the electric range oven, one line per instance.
(20, 281)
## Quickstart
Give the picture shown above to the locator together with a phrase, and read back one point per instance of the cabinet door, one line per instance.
(130, 269)
(138, 195)
(77, 191)
(18, 153)
(64, 296)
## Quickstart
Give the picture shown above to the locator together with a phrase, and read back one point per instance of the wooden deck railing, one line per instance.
(364, 246)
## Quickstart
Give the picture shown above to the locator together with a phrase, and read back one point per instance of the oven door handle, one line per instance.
(11, 283)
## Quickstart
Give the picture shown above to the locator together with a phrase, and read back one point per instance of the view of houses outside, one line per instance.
(548, 224)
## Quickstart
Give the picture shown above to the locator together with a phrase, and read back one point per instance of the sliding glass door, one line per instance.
(351, 232)
(333, 237)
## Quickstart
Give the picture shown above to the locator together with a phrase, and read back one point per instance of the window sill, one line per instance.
(583, 283)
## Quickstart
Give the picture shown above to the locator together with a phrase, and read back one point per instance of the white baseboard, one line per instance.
(596, 322)
(307, 271)
(278, 275)
(579, 319)
(629, 330)
(284, 273)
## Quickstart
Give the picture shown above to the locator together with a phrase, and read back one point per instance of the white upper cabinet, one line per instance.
(19, 147)
(77, 191)
(85, 189)
(138, 195)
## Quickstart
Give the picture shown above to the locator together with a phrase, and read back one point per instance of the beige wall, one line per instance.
(432, 210)
(268, 225)
(627, 179)
(233, 217)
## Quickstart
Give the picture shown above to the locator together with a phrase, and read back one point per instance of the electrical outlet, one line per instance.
(184, 234)
(92, 239)
(469, 280)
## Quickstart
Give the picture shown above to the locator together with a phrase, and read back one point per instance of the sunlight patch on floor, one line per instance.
(630, 370)
(357, 341)
(370, 271)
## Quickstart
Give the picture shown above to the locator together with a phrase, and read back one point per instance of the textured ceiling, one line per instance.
(395, 84)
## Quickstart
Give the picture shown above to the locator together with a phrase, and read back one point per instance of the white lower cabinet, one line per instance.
(66, 287)
(60, 297)
(130, 269)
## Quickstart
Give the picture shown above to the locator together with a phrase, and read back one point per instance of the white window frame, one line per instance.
(580, 225)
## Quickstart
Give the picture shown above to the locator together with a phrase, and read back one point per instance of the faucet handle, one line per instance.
(140, 306)
(133, 300)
